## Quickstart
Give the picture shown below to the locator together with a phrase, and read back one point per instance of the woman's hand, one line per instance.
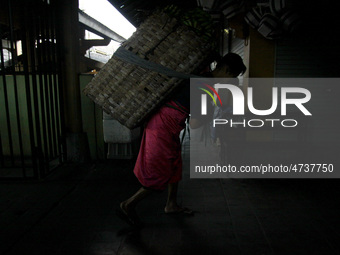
(195, 123)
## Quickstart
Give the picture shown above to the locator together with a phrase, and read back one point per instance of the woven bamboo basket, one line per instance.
(130, 92)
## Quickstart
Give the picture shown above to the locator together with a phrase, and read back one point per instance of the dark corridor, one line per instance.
(73, 212)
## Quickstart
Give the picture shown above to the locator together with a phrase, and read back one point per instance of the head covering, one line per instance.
(234, 62)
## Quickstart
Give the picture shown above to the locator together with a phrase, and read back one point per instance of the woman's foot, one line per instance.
(128, 215)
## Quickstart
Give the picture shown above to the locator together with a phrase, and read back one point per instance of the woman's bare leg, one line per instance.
(127, 207)
(130, 204)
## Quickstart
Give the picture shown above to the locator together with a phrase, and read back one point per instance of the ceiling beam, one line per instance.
(98, 28)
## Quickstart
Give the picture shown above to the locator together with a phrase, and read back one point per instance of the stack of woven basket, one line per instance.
(133, 84)
(274, 18)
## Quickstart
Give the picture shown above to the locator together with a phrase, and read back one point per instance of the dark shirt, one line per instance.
(182, 94)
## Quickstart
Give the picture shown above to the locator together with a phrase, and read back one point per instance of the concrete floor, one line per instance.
(73, 212)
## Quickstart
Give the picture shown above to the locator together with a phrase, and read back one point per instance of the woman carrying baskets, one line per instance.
(159, 162)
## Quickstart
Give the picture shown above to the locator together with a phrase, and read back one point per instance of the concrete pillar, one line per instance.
(260, 60)
(76, 140)
(259, 57)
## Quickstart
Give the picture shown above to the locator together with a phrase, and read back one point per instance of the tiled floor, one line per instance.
(72, 212)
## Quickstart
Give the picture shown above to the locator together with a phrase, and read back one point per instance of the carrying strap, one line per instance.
(130, 57)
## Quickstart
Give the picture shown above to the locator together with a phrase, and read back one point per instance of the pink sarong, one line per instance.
(159, 161)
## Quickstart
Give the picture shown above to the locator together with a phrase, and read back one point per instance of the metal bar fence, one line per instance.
(31, 126)
(16, 97)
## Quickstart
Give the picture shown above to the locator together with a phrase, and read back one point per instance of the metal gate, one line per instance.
(31, 127)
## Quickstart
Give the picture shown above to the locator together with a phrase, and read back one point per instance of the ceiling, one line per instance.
(137, 10)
